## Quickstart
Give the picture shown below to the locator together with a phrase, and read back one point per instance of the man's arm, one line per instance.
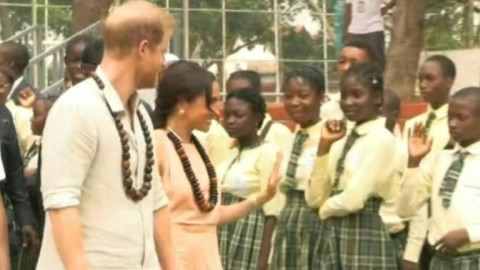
(67, 232)
(69, 145)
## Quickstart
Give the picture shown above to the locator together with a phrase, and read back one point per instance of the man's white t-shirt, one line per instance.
(366, 16)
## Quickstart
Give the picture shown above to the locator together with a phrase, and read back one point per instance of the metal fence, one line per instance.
(47, 68)
(306, 21)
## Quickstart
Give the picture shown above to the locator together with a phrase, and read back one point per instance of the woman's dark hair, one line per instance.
(6, 72)
(251, 76)
(252, 97)
(312, 75)
(359, 44)
(368, 74)
(181, 81)
(93, 52)
(446, 64)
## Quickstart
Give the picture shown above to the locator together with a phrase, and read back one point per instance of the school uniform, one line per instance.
(349, 185)
(436, 123)
(276, 133)
(396, 225)
(21, 118)
(448, 180)
(217, 142)
(242, 175)
(298, 226)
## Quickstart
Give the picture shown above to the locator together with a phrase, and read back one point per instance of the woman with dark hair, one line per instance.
(184, 104)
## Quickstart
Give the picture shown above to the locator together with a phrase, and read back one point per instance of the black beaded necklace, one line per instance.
(202, 203)
(131, 192)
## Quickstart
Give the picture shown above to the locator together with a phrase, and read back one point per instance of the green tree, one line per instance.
(251, 28)
(405, 47)
(17, 18)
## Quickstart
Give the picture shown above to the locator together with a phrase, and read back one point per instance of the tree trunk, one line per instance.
(470, 23)
(405, 48)
(5, 21)
(87, 12)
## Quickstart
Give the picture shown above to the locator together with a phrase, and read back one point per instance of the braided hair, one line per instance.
(254, 98)
(312, 75)
(181, 81)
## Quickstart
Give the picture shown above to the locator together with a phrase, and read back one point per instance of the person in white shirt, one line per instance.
(105, 203)
(448, 179)
(364, 21)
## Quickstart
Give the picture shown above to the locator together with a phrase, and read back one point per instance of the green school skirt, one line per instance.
(297, 232)
(464, 261)
(358, 241)
(240, 241)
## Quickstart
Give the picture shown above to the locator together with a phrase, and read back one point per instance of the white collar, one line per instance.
(16, 83)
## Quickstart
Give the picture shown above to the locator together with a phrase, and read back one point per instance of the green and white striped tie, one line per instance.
(290, 181)
(428, 123)
(451, 178)
(341, 161)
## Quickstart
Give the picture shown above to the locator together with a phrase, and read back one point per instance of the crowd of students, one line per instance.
(201, 183)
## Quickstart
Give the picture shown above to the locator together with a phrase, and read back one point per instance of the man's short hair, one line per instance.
(132, 22)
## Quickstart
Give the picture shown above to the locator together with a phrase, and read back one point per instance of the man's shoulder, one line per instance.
(83, 94)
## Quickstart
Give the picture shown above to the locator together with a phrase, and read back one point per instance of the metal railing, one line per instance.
(46, 70)
(32, 38)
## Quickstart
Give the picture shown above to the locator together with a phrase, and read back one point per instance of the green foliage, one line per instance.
(447, 25)
(252, 28)
(59, 14)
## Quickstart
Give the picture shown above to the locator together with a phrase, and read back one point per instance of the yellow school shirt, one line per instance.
(278, 134)
(306, 160)
(21, 119)
(369, 172)
(419, 222)
(248, 172)
(423, 183)
(388, 210)
(217, 142)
